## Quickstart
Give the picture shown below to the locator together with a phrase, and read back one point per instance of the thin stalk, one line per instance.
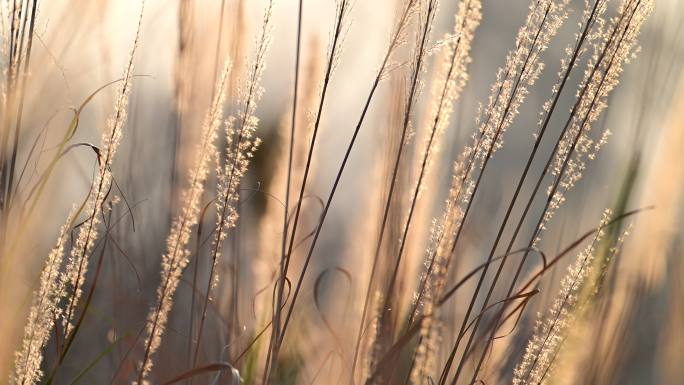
(223, 215)
(277, 335)
(425, 35)
(487, 158)
(394, 42)
(293, 122)
(540, 136)
(497, 319)
(22, 94)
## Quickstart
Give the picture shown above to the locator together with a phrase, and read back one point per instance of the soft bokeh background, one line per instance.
(84, 44)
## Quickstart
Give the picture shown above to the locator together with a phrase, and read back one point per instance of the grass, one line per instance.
(339, 247)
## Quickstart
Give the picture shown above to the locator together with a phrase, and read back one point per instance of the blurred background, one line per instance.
(82, 45)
